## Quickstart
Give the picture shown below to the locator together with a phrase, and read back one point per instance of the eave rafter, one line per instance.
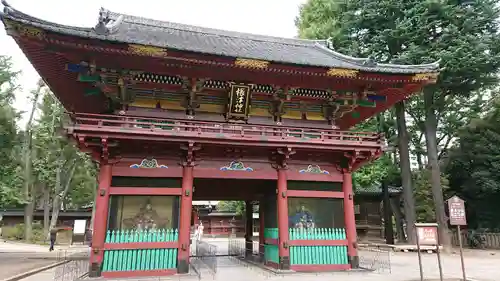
(180, 64)
(72, 42)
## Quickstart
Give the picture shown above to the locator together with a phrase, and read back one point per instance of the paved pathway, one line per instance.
(17, 258)
(481, 266)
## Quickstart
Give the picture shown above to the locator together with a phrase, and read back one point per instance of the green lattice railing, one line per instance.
(318, 255)
(140, 259)
(271, 252)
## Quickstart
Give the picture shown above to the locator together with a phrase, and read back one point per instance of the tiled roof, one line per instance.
(137, 30)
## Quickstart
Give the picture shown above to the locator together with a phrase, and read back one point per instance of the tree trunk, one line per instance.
(56, 205)
(432, 158)
(28, 180)
(404, 163)
(60, 193)
(398, 217)
(46, 211)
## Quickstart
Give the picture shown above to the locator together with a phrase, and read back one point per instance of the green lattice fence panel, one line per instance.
(271, 252)
(318, 255)
(140, 259)
(271, 233)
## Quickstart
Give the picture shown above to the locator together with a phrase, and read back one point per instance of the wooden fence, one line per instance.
(490, 240)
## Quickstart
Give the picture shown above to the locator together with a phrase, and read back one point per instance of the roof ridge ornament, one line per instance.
(6, 8)
(367, 62)
(105, 24)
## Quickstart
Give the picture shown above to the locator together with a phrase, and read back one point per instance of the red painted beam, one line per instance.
(315, 177)
(319, 267)
(141, 245)
(139, 273)
(254, 175)
(318, 242)
(315, 194)
(174, 172)
(145, 191)
(171, 172)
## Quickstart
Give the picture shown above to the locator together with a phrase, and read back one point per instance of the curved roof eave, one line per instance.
(320, 54)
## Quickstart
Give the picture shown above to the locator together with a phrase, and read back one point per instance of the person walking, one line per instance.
(200, 231)
(53, 236)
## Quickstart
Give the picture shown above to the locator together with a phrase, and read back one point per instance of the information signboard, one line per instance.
(456, 210)
(427, 234)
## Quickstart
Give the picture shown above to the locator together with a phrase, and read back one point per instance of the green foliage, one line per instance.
(463, 37)
(472, 168)
(10, 180)
(16, 232)
(232, 206)
(53, 156)
(56, 157)
(423, 195)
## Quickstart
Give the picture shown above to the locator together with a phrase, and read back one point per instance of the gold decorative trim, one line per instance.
(149, 51)
(340, 72)
(261, 64)
(432, 77)
(17, 29)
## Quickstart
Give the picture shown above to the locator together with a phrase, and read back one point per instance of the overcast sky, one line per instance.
(267, 17)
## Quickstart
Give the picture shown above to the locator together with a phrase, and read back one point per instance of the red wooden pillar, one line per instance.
(100, 220)
(185, 219)
(350, 222)
(261, 229)
(284, 253)
(248, 229)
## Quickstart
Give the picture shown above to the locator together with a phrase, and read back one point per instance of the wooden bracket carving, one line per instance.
(282, 157)
(331, 109)
(83, 147)
(192, 86)
(351, 159)
(355, 159)
(188, 159)
(277, 104)
(105, 150)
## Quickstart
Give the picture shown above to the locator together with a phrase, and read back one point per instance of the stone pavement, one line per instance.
(17, 258)
(19, 247)
(42, 276)
(481, 266)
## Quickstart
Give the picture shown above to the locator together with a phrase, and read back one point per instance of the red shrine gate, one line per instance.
(175, 113)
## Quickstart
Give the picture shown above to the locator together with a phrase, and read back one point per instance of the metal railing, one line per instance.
(216, 130)
(246, 254)
(75, 265)
(207, 254)
(375, 258)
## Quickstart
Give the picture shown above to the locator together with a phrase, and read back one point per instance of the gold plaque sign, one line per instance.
(239, 102)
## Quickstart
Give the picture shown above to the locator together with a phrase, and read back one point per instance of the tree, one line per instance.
(28, 192)
(237, 207)
(10, 180)
(472, 167)
(66, 175)
(463, 37)
(320, 19)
